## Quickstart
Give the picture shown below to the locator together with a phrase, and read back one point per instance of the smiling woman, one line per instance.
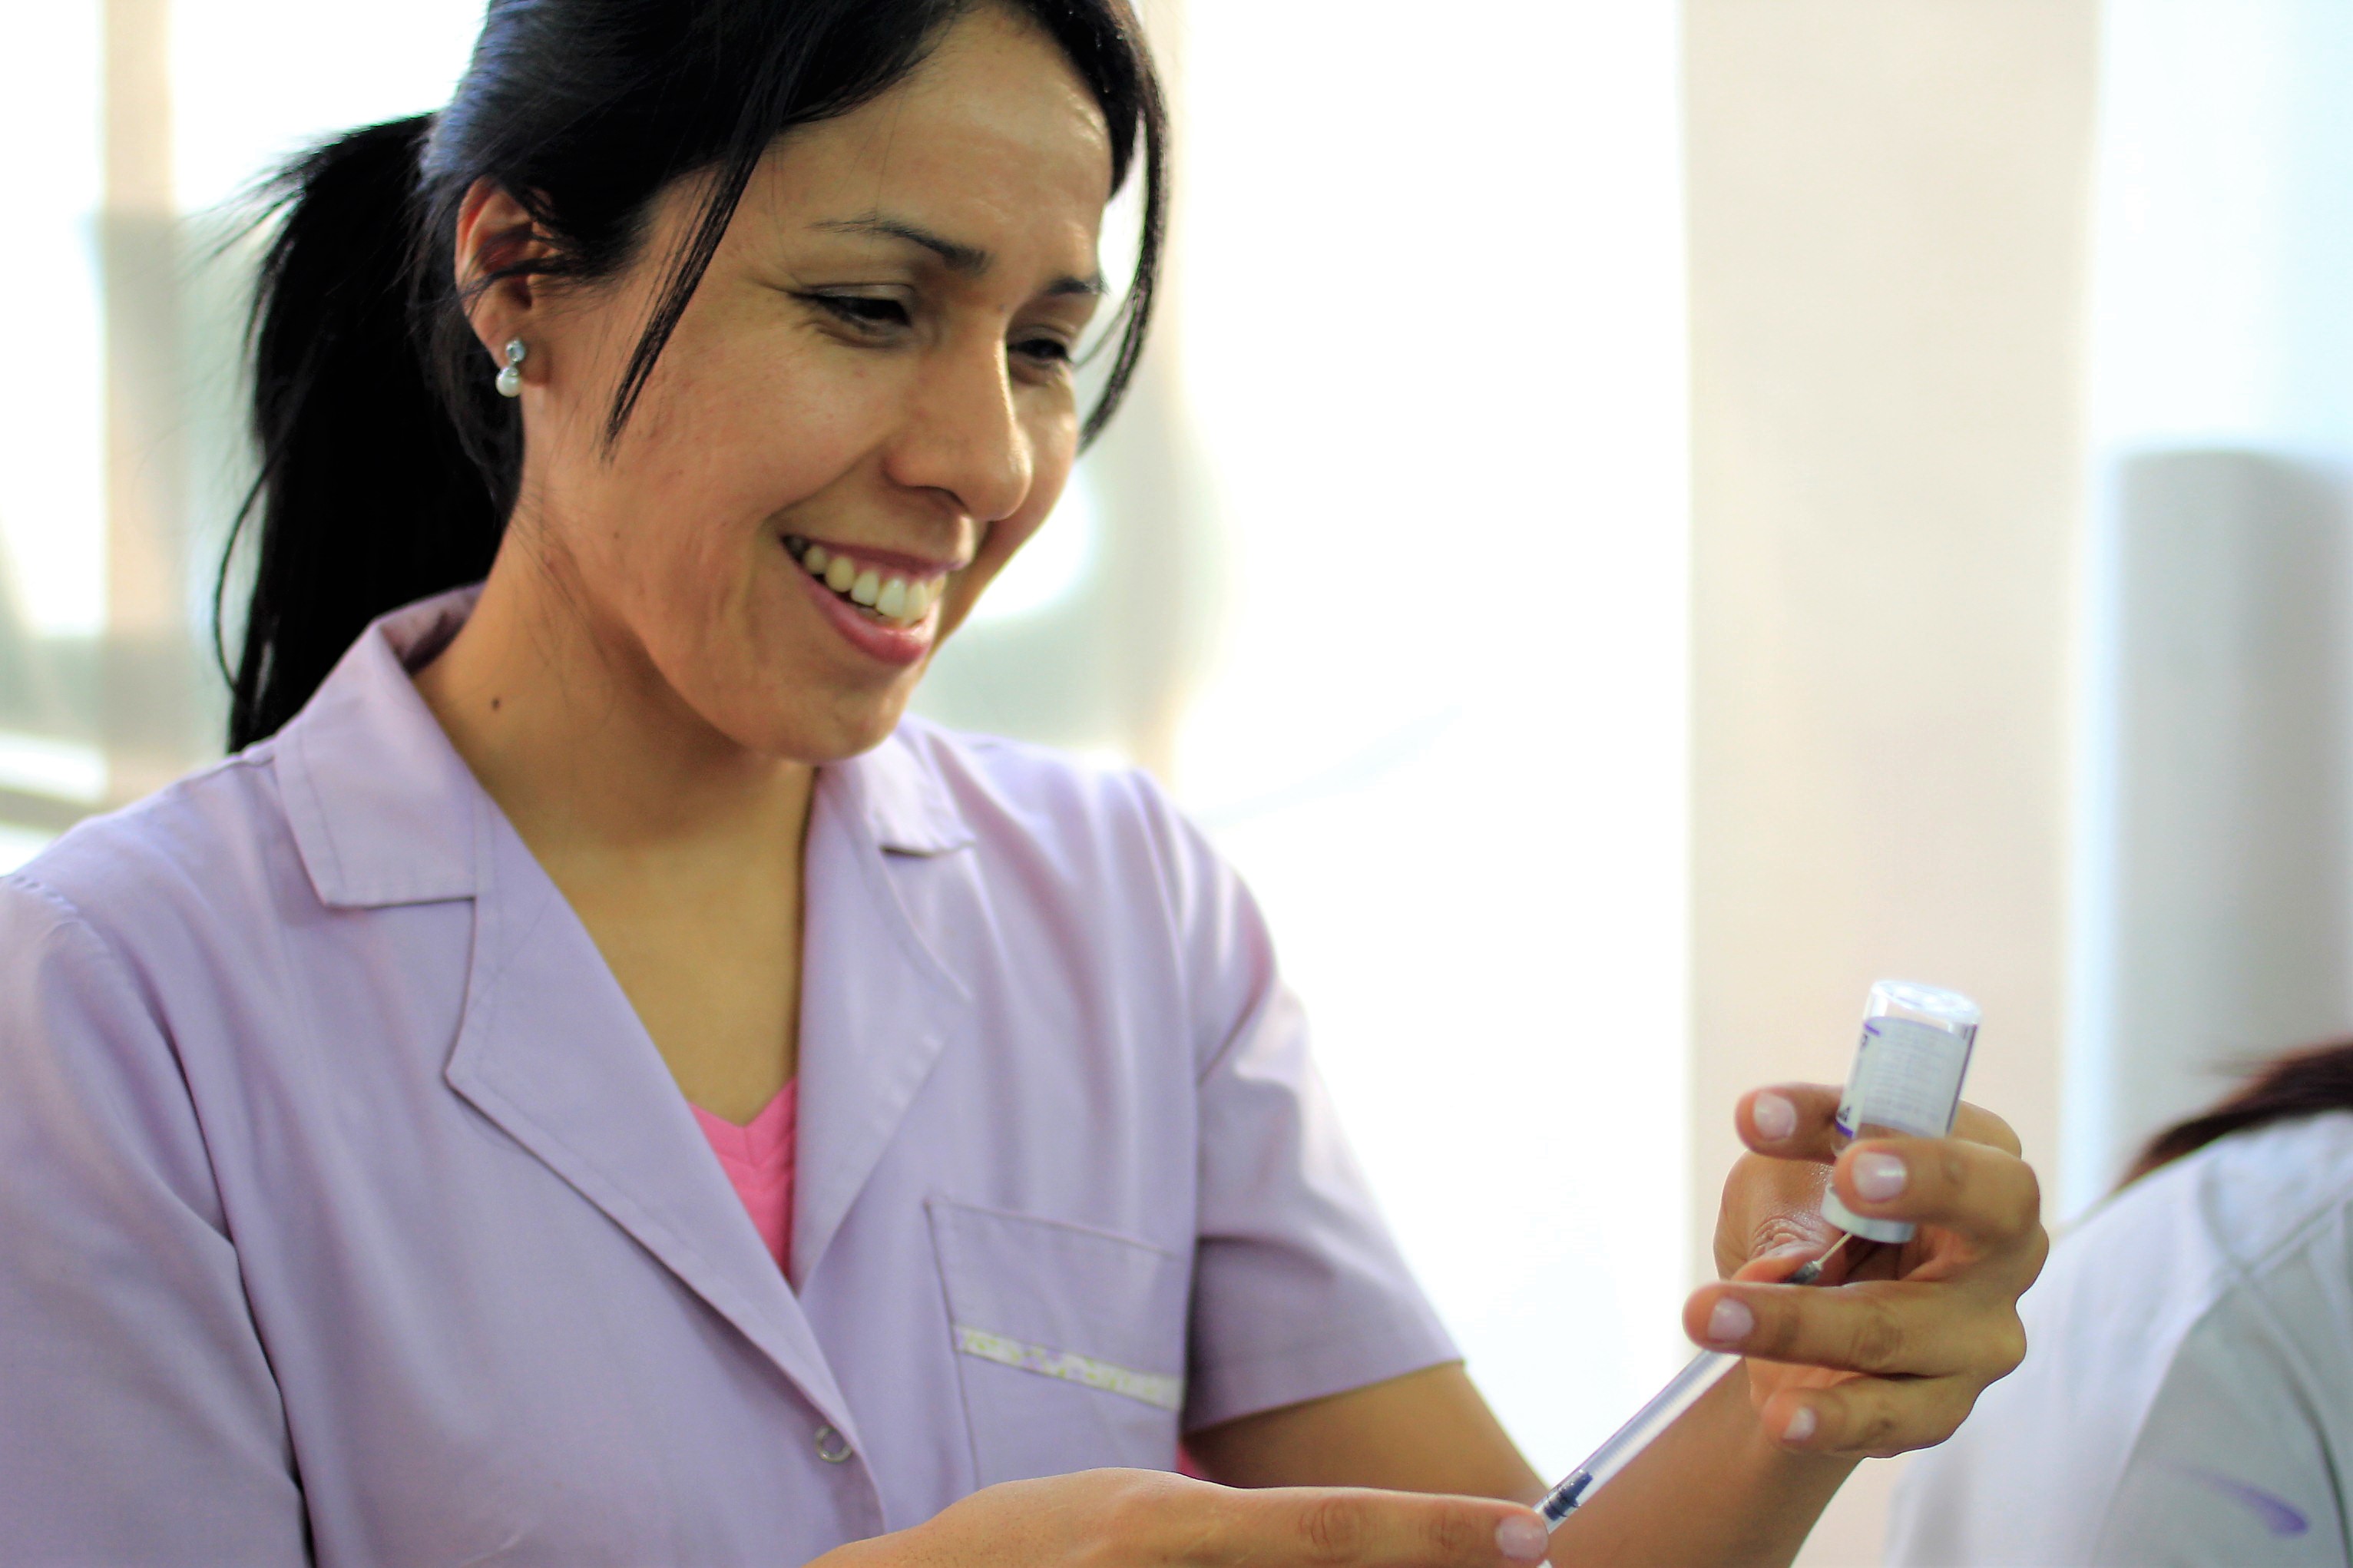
(534, 188)
(591, 1080)
(904, 292)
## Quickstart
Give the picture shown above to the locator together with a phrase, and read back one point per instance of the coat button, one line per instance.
(831, 1446)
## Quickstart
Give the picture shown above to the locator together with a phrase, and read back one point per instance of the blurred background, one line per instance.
(1639, 519)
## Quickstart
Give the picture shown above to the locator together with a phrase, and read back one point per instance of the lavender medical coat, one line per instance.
(348, 1214)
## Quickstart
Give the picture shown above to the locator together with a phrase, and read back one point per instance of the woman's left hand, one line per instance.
(1891, 1350)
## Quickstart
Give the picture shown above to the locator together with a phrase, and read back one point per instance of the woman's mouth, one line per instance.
(889, 594)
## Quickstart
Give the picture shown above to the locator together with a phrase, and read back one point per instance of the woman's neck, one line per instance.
(589, 750)
(679, 850)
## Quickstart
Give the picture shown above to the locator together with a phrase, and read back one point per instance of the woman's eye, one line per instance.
(863, 310)
(1045, 351)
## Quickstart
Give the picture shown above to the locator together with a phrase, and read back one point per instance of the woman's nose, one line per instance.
(964, 436)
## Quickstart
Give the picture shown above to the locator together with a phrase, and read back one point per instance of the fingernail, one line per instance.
(1774, 1116)
(1729, 1321)
(1800, 1427)
(1521, 1538)
(1878, 1177)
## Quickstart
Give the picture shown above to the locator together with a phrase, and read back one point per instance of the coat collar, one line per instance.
(385, 812)
(550, 1051)
(877, 1003)
(383, 807)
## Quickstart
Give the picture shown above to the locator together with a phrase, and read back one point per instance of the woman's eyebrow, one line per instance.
(969, 260)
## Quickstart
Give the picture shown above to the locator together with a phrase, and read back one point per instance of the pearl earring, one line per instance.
(511, 377)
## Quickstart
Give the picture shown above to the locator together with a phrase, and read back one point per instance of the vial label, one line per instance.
(1907, 1076)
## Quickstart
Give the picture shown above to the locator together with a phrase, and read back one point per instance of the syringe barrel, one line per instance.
(1906, 1080)
(1686, 1389)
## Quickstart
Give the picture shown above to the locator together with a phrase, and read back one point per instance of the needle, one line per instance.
(1807, 1273)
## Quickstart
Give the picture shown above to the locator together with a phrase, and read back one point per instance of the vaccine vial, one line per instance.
(1905, 1083)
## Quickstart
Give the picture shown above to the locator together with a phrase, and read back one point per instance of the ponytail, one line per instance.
(368, 496)
(2309, 1082)
(388, 464)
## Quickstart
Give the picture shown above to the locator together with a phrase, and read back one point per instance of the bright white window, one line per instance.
(1431, 339)
(52, 490)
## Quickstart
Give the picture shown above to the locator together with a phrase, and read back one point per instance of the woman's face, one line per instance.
(866, 409)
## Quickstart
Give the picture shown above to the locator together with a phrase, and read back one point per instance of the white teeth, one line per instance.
(894, 598)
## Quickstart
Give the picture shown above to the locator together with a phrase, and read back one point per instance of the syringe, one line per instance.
(1683, 1391)
(1907, 1080)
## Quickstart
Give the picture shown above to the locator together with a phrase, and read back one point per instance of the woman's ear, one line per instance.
(494, 233)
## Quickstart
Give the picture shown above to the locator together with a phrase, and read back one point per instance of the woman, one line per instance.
(359, 1097)
(2190, 1398)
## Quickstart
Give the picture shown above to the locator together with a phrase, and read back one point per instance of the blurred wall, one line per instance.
(1888, 227)
(2228, 935)
(2215, 809)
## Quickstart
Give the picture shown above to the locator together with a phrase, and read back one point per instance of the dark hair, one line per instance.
(2301, 1083)
(388, 463)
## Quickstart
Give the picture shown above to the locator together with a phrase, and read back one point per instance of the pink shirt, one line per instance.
(758, 1159)
(347, 1211)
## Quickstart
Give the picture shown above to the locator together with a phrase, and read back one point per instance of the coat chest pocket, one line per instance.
(1069, 1343)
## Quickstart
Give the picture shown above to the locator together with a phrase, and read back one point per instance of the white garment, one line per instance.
(2188, 1394)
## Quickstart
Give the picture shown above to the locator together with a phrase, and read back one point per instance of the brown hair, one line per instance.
(2301, 1083)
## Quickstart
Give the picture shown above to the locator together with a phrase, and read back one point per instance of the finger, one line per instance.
(1975, 1189)
(1979, 1125)
(1770, 1206)
(1789, 1121)
(1870, 1416)
(1367, 1529)
(1796, 1122)
(1882, 1327)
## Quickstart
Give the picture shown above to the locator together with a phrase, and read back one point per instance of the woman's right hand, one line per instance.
(1118, 1517)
